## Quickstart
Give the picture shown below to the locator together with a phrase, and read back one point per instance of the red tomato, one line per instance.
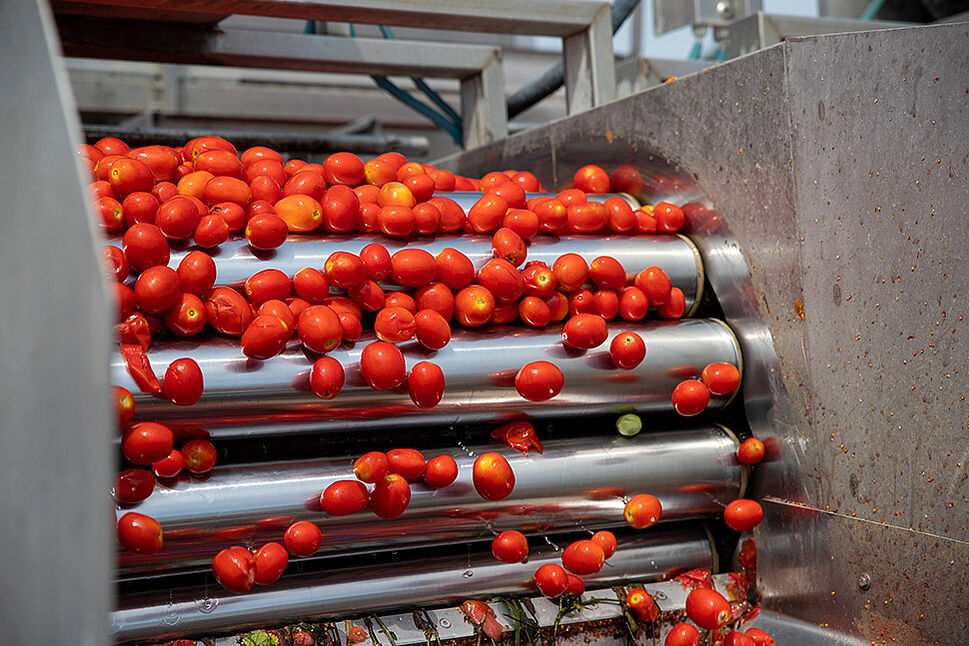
(443, 179)
(124, 404)
(452, 215)
(303, 538)
(607, 273)
(759, 637)
(196, 147)
(633, 304)
(227, 311)
(219, 162)
(211, 231)
(583, 557)
(510, 546)
(100, 189)
(376, 261)
(591, 179)
(139, 533)
(669, 217)
(582, 302)
(110, 213)
(690, 397)
(146, 442)
(707, 608)
(621, 218)
(420, 185)
(129, 176)
(413, 267)
(265, 337)
(642, 510)
(340, 304)
(177, 218)
(279, 309)
(427, 218)
(382, 365)
(196, 273)
(750, 451)
(307, 183)
(454, 269)
(552, 216)
(133, 485)
(538, 279)
(743, 514)
(162, 161)
(326, 378)
(390, 496)
(135, 330)
(587, 217)
(408, 463)
(606, 303)
(111, 146)
(145, 246)
(269, 562)
(645, 223)
(735, 638)
(436, 297)
(527, 181)
(265, 190)
(394, 325)
(124, 301)
(183, 382)
(140, 207)
(721, 378)
(311, 285)
(474, 306)
(654, 282)
(293, 166)
(169, 466)
(341, 209)
(627, 350)
(493, 477)
(539, 381)
(576, 586)
(441, 471)
(683, 635)
(504, 313)
(523, 222)
(571, 272)
(626, 179)
(425, 383)
(551, 580)
(186, 317)
(641, 602)
(607, 541)
(486, 214)
(266, 285)
(572, 196)
(199, 456)
(433, 332)
(258, 153)
(585, 331)
(371, 466)
(509, 246)
(116, 262)
(344, 497)
(266, 231)
(675, 307)
(344, 270)
(319, 329)
(269, 169)
(502, 279)
(343, 168)
(534, 311)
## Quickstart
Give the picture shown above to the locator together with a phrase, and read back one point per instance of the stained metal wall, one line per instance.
(828, 177)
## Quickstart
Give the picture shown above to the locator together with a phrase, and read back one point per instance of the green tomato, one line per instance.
(629, 424)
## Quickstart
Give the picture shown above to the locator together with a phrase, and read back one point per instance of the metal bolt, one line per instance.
(445, 623)
(864, 581)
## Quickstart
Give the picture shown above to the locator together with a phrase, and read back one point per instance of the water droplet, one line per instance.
(525, 560)
(206, 605)
(554, 546)
(467, 574)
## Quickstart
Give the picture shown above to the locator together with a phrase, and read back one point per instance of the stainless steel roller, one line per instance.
(574, 483)
(467, 198)
(247, 397)
(421, 581)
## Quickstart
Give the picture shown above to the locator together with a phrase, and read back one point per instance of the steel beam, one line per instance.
(590, 69)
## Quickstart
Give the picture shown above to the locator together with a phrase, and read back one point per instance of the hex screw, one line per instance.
(864, 581)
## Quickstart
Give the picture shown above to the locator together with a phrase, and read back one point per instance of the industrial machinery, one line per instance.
(824, 181)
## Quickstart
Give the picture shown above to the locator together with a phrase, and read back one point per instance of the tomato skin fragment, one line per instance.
(139, 367)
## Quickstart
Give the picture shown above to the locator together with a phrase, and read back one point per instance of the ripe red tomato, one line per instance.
(413, 267)
(522, 222)
(382, 365)
(408, 463)
(654, 282)
(585, 331)
(607, 273)
(319, 329)
(421, 187)
(371, 466)
(707, 608)
(642, 603)
(538, 279)
(235, 569)
(279, 309)
(571, 272)
(394, 325)
(139, 533)
(156, 289)
(552, 215)
(124, 404)
(441, 471)
(642, 511)
(310, 284)
(502, 279)
(551, 580)
(621, 218)
(504, 313)
(626, 179)
(683, 635)
(534, 311)
(396, 194)
(196, 273)
(396, 221)
(219, 162)
(510, 546)
(169, 466)
(303, 538)
(343, 168)
(258, 153)
(582, 302)
(474, 306)
(267, 284)
(146, 442)
(454, 269)
(305, 183)
(760, 638)
(527, 181)
(368, 295)
(344, 270)
(690, 397)
(572, 196)
(583, 557)
(539, 381)
(511, 193)
(743, 514)
(452, 215)
(735, 638)
(390, 496)
(486, 214)
(266, 231)
(376, 261)
(186, 317)
(124, 301)
(341, 209)
(633, 304)
(425, 383)
(140, 207)
(133, 485)
(344, 497)
(587, 217)
(183, 382)
(627, 350)
(111, 146)
(591, 179)
(145, 246)
(211, 231)
(433, 332)
(606, 303)
(751, 451)
(110, 213)
(130, 175)
(327, 378)
(558, 306)
(437, 297)
(721, 378)
(509, 246)
(675, 307)
(607, 541)
(228, 311)
(493, 477)
(270, 561)
(115, 262)
(669, 217)
(265, 337)
(199, 456)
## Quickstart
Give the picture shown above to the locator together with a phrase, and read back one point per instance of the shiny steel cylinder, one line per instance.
(467, 198)
(421, 580)
(248, 397)
(575, 483)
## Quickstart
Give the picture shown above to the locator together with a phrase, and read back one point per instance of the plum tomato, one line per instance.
(633, 304)
(509, 246)
(474, 306)
(551, 580)
(133, 485)
(642, 603)
(224, 189)
(675, 307)
(576, 586)
(139, 533)
(427, 218)
(626, 179)
(382, 365)
(440, 471)
(585, 331)
(396, 194)
(607, 541)
(683, 635)
(115, 262)
(211, 231)
(270, 561)
(690, 397)
(582, 302)
(140, 207)
(376, 261)
(707, 608)
(627, 350)
(228, 311)
(319, 329)
(196, 273)
(341, 304)
(621, 218)
(343, 168)
(146, 443)
(539, 381)
(341, 209)
(751, 451)
(259, 153)
(344, 497)
(169, 466)
(235, 569)
(654, 282)
(327, 378)
(111, 146)
(305, 183)
(591, 179)
(413, 268)
(379, 172)
(303, 538)
(311, 285)
(145, 246)
(396, 220)
(267, 284)
(421, 187)
(534, 311)
(425, 383)
(265, 337)
(570, 271)
(157, 289)
(504, 313)
(124, 404)
(199, 456)
(183, 382)
(130, 176)
(502, 279)
(264, 189)
(124, 301)
(737, 638)
(493, 477)
(266, 231)
(552, 216)
(437, 297)
(454, 269)
(645, 223)
(433, 332)
(186, 317)
(452, 215)
(588, 217)
(606, 303)
(669, 217)
(539, 279)
(527, 181)
(390, 496)
(511, 193)
(642, 511)
(759, 637)
(343, 269)
(279, 309)
(583, 557)
(743, 514)
(371, 466)
(572, 196)
(607, 273)
(510, 546)
(522, 221)
(110, 213)
(720, 377)
(408, 463)
(486, 215)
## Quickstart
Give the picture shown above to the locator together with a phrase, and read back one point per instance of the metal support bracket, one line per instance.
(590, 70)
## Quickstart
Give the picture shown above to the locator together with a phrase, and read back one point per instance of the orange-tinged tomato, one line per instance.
(721, 378)
(633, 304)
(751, 451)
(301, 213)
(655, 283)
(675, 307)
(493, 477)
(194, 184)
(591, 179)
(396, 194)
(642, 510)
(743, 514)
